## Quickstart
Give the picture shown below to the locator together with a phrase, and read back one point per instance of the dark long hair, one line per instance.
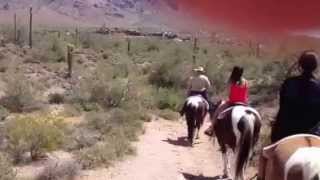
(236, 75)
(308, 63)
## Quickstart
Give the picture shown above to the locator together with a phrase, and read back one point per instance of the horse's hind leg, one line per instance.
(198, 126)
(190, 125)
(226, 166)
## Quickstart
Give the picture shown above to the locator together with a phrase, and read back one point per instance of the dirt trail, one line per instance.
(164, 154)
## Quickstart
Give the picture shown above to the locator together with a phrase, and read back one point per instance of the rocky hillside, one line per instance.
(93, 12)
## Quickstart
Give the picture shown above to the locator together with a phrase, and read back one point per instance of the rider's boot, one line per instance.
(209, 131)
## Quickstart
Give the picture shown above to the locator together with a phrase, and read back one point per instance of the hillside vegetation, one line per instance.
(97, 112)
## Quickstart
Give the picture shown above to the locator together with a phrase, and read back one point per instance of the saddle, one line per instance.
(231, 106)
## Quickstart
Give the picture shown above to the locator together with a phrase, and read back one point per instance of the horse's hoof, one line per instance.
(208, 133)
(225, 176)
(197, 137)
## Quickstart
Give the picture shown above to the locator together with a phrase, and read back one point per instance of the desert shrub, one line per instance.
(105, 56)
(52, 49)
(4, 113)
(34, 134)
(165, 75)
(171, 69)
(56, 98)
(56, 51)
(168, 99)
(104, 154)
(128, 122)
(169, 114)
(266, 87)
(110, 94)
(70, 110)
(152, 47)
(6, 170)
(59, 171)
(81, 137)
(19, 96)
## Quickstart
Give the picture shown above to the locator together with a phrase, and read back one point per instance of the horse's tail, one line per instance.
(246, 128)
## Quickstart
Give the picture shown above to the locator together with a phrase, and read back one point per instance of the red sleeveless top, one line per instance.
(239, 93)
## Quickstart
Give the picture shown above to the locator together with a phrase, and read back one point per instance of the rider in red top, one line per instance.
(238, 94)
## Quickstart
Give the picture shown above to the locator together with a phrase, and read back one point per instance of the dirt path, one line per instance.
(164, 154)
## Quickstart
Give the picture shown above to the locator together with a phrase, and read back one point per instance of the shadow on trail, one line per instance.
(188, 176)
(181, 141)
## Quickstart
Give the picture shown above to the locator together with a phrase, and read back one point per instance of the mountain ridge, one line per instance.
(93, 12)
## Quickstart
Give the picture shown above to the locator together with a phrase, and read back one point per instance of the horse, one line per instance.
(295, 157)
(195, 109)
(238, 128)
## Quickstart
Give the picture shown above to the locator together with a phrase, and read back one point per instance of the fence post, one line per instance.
(30, 28)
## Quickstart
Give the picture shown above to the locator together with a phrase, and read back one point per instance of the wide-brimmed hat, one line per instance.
(199, 69)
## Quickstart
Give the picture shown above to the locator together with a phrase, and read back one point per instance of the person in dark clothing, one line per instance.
(299, 101)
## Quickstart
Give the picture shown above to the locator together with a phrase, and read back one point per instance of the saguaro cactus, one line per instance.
(195, 50)
(15, 28)
(30, 29)
(129, 45)
(70, 49)
(195, 45)
(77, 37)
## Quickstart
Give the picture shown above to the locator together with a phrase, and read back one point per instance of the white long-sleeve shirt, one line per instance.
(199, 83)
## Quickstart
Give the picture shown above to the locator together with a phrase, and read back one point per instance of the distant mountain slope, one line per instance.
(92, 12)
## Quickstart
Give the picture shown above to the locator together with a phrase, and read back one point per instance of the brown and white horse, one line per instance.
(295, 157)
(238, 128)
(195, 108)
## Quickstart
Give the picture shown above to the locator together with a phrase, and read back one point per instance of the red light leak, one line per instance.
(267, 16)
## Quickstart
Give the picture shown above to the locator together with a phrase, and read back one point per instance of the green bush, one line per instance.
(19, 96)
(128, 122)
(51, 49)
(59, 171)
(3, 113)
(169, 114)
(6, 170)
(56, 98)
(171, 70)
(168, 99)
(34, 134)
(110, 94)
(104, 154)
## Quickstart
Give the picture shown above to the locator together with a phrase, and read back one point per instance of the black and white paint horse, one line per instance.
(195, 109)
(238, 128)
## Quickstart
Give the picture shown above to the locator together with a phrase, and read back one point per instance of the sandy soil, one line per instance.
(164, 154)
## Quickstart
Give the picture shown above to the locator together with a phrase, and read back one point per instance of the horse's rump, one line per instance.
(238, 127)
(295, 157)
(194, 104)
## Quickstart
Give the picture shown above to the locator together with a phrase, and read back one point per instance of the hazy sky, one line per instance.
(272, 16)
